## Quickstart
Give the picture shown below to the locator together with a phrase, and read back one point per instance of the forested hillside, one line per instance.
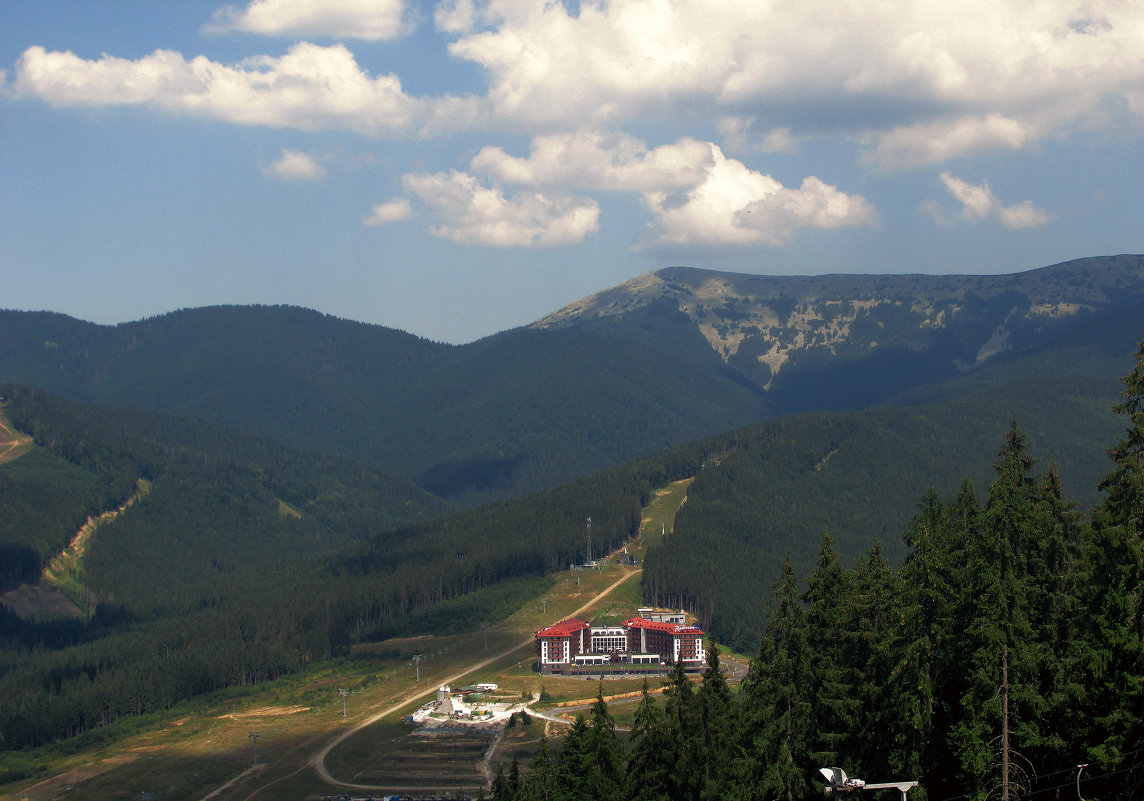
(248, 560)
(517, 412)
(1006, 653)
(660, 361)
(786, 482)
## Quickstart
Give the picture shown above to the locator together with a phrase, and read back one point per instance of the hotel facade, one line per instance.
(654, 638)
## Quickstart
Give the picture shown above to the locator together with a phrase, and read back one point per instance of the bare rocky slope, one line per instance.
(769, 328)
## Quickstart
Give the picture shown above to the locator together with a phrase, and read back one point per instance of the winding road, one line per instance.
(318, 761)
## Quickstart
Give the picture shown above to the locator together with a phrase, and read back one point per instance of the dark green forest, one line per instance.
(773, 489)
(517, 412)
(1005, 651)
(248, 560)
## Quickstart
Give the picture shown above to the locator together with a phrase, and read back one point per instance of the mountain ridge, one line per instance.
(668, 357)
(743, 314)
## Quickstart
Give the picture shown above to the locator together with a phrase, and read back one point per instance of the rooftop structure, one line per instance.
(664, 641)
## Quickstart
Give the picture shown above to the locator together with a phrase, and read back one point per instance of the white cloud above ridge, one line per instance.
(695, 193)
(309, 88)
(600, 161)
(371, 20)
(735, 205)
(978, 203)
(293, 165)
(473, 214)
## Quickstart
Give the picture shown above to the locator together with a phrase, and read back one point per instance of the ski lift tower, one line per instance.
(838, 782)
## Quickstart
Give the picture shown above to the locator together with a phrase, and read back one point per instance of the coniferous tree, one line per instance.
(922, 670)
(1054, 571)
(514, 776)
(776, 712)
(1114, 574)
(649, 768)
(713, 701)
(500, 789)
(574, 765)
(681, 744)
(542, 782)
(1001, 706)
(875, 621)
(604, 772)
(835, 706)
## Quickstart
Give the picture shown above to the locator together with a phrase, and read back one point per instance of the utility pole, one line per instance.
(589, 561)
(544, 601)
(343, 693)
(254, 741)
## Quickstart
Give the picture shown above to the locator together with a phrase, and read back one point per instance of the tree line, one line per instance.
(1007, 650)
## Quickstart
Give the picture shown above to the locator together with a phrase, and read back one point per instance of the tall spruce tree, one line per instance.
(875, 622)
(1002, 705)
(776, 715)
(542, 782)
(1114, 573)
(831, 675)
(604, 768)
(1054, 571)
(649, 767)
(681, 720)
(714, 706)
(573, 768)
(923, 669)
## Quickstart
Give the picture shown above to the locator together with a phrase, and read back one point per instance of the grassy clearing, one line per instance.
(658, 517)
(13, 444)
(200, 746)
(65, 571)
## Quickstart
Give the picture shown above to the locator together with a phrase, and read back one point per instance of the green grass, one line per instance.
(659, 516)
(194, 748)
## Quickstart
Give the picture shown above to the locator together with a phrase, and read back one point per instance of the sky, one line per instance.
(458, 168)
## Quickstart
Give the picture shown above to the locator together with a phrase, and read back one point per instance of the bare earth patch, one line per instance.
(265, 712)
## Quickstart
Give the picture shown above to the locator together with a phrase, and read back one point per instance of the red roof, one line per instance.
(564, 628)
(670, 628)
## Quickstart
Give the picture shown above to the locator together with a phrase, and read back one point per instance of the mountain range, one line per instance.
(663, 359)
(296, 483)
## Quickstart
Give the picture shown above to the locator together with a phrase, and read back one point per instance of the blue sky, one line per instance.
(454, 169)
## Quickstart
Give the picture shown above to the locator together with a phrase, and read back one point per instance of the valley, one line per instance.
(307, 750)
(786, 465)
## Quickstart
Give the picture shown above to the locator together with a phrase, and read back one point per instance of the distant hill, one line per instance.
(848, 341)
(778, 486)
(222, 505)
(661, 360)
(517, 412)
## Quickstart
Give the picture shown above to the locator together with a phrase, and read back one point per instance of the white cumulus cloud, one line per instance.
(347, 19)
(921, 82)
(598, 160)
(310, 87)
(979, 203)
(293, 165)
(735, 205)
(695, 193)
(470, 213)
(385, 213)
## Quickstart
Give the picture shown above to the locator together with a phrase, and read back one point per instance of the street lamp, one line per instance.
(838, 782)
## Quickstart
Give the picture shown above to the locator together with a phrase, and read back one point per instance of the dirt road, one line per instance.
(318, 760)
